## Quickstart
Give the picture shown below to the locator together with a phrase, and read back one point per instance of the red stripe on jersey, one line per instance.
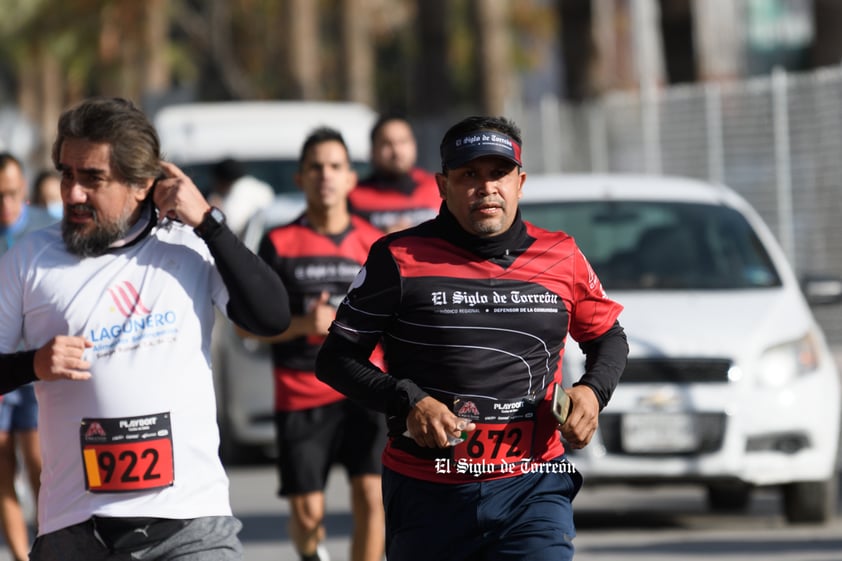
(300, 240)
(296, 390)
(438, 257)
(368, 198)
(546, 438)
(553, 261)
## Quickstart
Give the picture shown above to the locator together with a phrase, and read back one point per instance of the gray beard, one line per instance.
(95, 243)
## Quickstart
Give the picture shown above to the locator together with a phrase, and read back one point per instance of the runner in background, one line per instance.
(19, 408)
(317, 256)
(397, 194)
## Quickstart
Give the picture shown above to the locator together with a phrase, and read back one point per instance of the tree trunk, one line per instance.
(432, 95)
(719, 43)
(357, 54)
(40, 99)
(303, 32)
(677, 33)
(156, 70)
(494, 46)
(648, 46)
(577, 47)
(827, 46)
(52, 99)
(236, 80)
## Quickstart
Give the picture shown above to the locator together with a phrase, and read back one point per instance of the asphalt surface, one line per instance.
(615, 523)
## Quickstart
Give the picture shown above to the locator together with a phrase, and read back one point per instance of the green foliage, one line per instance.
(228, 49)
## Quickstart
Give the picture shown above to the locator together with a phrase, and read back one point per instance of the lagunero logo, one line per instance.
(127, 299)
(135, 322)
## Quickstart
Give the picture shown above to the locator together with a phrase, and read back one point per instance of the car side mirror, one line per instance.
(821, 290)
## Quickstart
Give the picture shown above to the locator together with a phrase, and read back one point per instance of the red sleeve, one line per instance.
(593, 312)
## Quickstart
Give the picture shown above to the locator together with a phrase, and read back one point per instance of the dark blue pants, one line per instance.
(529, 516)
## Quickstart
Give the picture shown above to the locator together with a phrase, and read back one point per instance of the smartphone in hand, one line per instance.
(561, 404)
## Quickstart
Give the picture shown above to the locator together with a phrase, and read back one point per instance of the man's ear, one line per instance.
(145, 189)
(441, 181)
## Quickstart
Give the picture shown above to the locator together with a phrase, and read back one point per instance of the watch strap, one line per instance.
(213, 220)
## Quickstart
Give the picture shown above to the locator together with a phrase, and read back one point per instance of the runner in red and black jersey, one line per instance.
(318, 255)
(473, 309)
(397, 194)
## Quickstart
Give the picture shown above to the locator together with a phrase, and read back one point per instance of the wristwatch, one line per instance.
(214, 220)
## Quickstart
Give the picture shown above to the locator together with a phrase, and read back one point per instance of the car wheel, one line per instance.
(808, 502)
(729, 497)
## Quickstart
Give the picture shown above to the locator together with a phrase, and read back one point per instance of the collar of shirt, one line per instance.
(139, 229)
(511, 242)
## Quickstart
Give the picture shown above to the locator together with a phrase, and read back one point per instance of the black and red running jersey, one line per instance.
(482, 334)
(411, 199)
(310, 263)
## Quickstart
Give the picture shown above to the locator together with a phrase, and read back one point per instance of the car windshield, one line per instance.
(644, 245)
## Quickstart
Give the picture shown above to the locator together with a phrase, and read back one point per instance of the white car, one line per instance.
(730, 383)
(266, 137)
(242, 368)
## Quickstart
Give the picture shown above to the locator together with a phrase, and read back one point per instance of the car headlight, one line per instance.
(782, 363)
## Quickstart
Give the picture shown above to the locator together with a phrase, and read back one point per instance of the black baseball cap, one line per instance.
(477, 144)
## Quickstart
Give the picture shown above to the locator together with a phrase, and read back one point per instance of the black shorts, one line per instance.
(312, 441)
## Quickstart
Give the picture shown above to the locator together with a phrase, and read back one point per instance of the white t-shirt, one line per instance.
(247, 196)
(148, 308)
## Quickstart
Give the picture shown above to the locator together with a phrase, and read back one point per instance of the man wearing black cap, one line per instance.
(473, 309)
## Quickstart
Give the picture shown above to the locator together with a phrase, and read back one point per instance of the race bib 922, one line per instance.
(127, 454)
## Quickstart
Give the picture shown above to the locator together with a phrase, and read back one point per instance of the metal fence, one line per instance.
(777, 140)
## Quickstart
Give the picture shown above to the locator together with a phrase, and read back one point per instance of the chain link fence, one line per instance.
(777, 140)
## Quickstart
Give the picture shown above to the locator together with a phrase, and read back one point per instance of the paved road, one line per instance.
(614, 524)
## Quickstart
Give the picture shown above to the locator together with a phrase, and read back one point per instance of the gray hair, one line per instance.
(135, 147)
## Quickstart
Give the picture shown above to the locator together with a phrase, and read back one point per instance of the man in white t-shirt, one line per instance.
(116, 306)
